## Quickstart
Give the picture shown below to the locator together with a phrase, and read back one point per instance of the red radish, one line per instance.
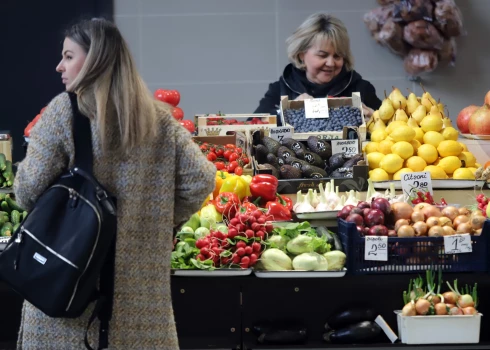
(234, 222)
(241, 244)
(257, 214)
(260, 234)
(249, 233)
(261, 220)
(268, 227)
(236, 258)
(232, 232)
(253, 259)
(200, 257)
(248, 250)
(200, 244)
(256, 246)
(240, 251)
(245, 262)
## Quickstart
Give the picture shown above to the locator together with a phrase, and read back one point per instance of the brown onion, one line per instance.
(451, 212)
(440, 309)
(409, 310)
(478, 232)
(434, 299)
(445, 221)
(401, 210)
(465, 227)
(422, 307)
(432, 221)
(405, 231)
(460, 219)
(477, 222)
(464, 211)
(436, 231)
(417, 216)
(469, 310)
(448, 231)
(400, 223)
(450, 298)
(420, 228)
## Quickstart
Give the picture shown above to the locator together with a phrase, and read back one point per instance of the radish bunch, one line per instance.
(242, 245)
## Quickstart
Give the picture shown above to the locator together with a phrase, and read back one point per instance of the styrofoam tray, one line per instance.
(213, 273)
(443, 329)
(300, 274)
(439, 184)
(318, 215)
(476, 137)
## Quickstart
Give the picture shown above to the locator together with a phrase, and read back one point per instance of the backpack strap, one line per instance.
(82, 135)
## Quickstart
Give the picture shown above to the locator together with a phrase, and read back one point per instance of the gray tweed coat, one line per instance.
(159, 185)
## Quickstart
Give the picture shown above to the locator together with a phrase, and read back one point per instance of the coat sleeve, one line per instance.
(195, 176)
(271, 100)
(369, 97)
(47, 156)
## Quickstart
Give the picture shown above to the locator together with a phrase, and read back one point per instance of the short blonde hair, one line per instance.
(317, 28)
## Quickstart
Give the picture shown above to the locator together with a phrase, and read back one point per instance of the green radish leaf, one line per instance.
(226, 253)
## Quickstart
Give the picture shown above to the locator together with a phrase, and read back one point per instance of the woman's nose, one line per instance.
(59, 68)
(329, 61)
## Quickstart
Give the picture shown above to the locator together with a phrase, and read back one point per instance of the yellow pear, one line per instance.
(427, 100)
(393, 125)
(412, 103)
(397, 98)
(419, 113)
(435, 112)
(370, 123)
(386, 110)
(447, 122)
(412, 123)
(379, 125)
(400, 115)
(441, 108)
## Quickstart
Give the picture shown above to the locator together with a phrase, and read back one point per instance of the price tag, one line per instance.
(376, 248)
(458, 244)
(416, 182)
(316, 108)
(280, 133)
(345, 146)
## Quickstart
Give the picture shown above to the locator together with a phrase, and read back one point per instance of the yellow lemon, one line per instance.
(385, 146)
(397, 175)
(403, 133)
(437, 161)
(403, 149)
(374, 159)
(465, 148)
(415, 163)
(433, 138)
(436, 172)
(428, 153)
(419, 135)
(379, 175)
(449, 148)
(468, 158)
(431, 123)
(378, 135)
(415, 144)
(463, 174)
(371, 147)
(393, 125)
(450, 133)
(391, 163)
(449, 164)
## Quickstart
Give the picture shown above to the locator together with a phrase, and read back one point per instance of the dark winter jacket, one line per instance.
(293, 83)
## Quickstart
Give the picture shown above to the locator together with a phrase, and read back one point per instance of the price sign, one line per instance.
(376, 248)
(316, 108)
(458, 244)
(412, 183)
(280, 133)
(345, 146)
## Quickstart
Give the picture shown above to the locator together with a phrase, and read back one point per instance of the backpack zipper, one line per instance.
(75, 193)
(18, 240)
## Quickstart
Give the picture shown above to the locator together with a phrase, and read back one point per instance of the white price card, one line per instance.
(412, 183)
(458, 244)
(345, 146)
(376, 248)
(280, 133)
(316, 108)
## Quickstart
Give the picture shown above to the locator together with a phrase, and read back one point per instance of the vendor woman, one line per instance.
(321, 65)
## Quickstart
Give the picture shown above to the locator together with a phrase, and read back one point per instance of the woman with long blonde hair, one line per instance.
(146, 159)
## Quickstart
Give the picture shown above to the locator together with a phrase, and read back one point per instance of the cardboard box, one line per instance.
(203, 129)
(6, 146)
(354, 101)
(236, 138)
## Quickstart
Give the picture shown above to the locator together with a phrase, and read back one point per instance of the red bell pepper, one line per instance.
(286, 201)
(264, 186)
(247, 207)
(278, 211)
(227, 203)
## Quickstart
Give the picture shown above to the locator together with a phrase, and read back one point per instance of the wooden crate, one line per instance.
(203, 129)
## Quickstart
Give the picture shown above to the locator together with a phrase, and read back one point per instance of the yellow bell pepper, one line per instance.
(248, 180)
(235, 184)
(220, 178)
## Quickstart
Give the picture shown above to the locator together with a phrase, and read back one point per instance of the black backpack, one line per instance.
(56, 257)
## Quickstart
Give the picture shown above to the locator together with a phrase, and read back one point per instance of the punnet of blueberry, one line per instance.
(338, 118)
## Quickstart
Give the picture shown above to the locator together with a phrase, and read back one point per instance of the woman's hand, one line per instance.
(304, 96)
(368, 112)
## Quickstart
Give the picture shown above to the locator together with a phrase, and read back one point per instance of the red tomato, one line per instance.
(169, 96)
(226, 154)
(220, 152)
(238, 150)
(211, 156)
(233, 157)
(178, 113)
(231, 167)
(219, 165)
(189, 125)
(238, 170)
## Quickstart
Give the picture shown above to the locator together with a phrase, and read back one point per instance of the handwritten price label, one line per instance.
(345, 146)
(376, 248)
(280, 133)
(316, 108)
(416, 182)
(458, 244)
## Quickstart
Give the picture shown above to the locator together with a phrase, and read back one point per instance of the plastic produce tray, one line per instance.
(409, 255)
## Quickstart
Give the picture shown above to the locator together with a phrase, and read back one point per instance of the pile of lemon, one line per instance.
(414, 134)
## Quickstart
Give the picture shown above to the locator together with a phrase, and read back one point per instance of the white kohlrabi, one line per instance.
(300, 244)
(310, 262)
(276, 260)
(279, 241)
(336, 259)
